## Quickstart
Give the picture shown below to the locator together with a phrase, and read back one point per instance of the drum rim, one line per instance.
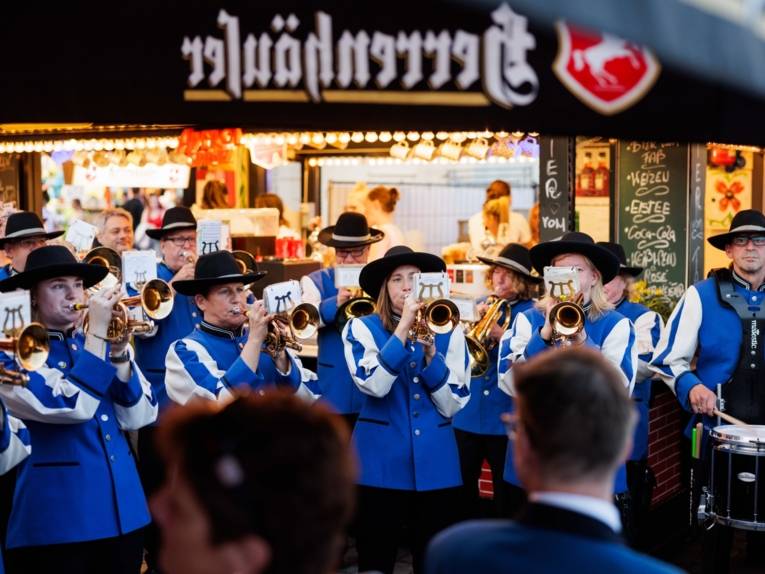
(722, 434)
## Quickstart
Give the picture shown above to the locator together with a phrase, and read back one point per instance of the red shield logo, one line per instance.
(605, 72)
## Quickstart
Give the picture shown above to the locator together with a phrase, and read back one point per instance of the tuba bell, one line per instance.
(156, 301)
(30, 347)
(478, 341)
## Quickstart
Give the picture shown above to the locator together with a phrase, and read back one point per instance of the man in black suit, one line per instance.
(571, 432)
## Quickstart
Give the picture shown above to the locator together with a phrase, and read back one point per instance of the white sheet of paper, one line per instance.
(210, 236)
(81, 234)
(347, 276)
(138, 267)
(561, 281)
(430, 286)
(281, 297)
(15, 310)
(467, 307)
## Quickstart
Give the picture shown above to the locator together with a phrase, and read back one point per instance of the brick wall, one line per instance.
(664, 444)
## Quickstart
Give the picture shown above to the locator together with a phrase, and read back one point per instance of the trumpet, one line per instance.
(478, 341)
(188, 256)
(156, 300)
(358, 305)
(567, 320)
(105, 257)
(303, 322)
(439, 317)
(30, 347)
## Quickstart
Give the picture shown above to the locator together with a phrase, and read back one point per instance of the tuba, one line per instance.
(105, 257)
(478, 341)
(302, 321)
(439, 317)
(358, 305)
(156, 300)
(30, 346)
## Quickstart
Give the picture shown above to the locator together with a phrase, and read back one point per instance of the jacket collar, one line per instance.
(220, 331)
(548, 517)
(744, 283)
(61, 335)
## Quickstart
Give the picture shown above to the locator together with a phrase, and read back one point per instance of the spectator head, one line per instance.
(263, 484)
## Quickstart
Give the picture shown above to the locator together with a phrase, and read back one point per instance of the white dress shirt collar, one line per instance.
(596, 508)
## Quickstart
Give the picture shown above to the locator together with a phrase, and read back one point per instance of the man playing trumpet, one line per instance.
(534, 332)
(224, 353)
(351, 238)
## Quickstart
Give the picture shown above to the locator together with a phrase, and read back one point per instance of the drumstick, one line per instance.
(730, 419)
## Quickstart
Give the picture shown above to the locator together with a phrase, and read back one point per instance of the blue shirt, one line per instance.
(612, 333)
(404, 432)
(208, 363)
(151, 349)
(80, 483)
(487, 402)
(335, 382)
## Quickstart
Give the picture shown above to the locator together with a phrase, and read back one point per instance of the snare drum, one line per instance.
(735, 495)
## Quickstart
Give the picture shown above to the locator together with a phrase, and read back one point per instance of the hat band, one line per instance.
(512, 263)
(218, 276)
(179, 224)
(25, 232)
(745, 228)
(337, 237)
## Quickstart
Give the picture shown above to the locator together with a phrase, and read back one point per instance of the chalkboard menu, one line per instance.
(698, 175)
(652, 220)
(554, 187)
(9, 178)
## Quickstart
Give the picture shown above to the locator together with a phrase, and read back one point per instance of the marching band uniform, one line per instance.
(14, 446)
(717, 323)
(80, 484)
(23, 225)
(335, 381)
(612, 333)
(207, 361)
(478, 427)
(406, 446)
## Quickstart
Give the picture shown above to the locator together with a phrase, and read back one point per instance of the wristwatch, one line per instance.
(123, 358)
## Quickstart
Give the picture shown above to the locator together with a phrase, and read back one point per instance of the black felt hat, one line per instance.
(606, 262)
(746, 222)
(25, 224)
(215, 269)
(373, 274)
(174, 219)
(52, 261)
(618, 250)
(515, 257)
(351, 230)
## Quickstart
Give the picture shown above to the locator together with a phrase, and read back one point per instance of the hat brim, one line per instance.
(720, 240)
(161, 232)
(48, 235)
(631, 271)
(325, 238)
(196, 286)
(512, 266)
(90, 274)
(374, 274)
(605, 262)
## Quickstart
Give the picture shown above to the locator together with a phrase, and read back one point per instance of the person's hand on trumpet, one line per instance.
(408, 317)
(101, 310)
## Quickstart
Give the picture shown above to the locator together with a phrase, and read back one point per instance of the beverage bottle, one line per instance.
(602, 176)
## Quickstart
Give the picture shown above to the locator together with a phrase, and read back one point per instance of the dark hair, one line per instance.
(271, 200)
(497, 188)
(270, 465)
(575, 411)
(215, 195)
(387, 196)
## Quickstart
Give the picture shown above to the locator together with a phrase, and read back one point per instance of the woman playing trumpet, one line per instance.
(533, 332)
(409, 463)
(221, 355)
(478, 428)
(78, 501)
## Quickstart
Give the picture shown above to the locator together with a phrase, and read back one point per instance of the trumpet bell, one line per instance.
(304, 321)
(442, 316)
(157, 299)
(352, 309)
(480, 357)
(567, 319)
(105, 257)
(30, 346)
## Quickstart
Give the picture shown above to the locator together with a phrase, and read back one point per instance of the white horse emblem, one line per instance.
(597, 56)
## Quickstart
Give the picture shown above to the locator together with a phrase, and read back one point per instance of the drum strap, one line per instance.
(744, 394)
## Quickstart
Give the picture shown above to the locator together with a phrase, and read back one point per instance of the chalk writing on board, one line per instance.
(554, 199)
(653, 179)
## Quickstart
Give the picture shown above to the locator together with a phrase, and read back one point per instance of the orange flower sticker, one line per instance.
(729, 193)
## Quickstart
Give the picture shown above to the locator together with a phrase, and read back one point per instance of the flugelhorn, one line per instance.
(358, 305)
(105, 257)
(30, 347)
(156, 301)
(439, 317)
(478, 341)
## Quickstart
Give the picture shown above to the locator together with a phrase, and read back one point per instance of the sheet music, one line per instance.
(15, 311)
(430, 286)
(210, 236)
(81, 234)
(282, 297)
(347, 276)
(138, 267)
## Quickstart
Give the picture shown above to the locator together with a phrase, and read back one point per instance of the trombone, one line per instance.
(478, 341)
(439, 317)
(105, 257)
(156, 300)
(358, 305)
(30, 346)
